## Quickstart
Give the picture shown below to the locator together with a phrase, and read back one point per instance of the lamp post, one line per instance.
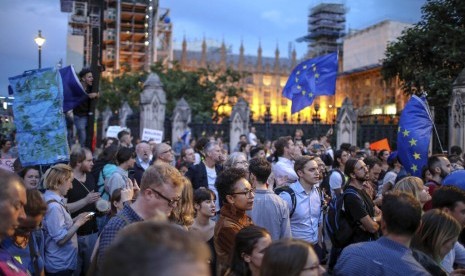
(40, 40)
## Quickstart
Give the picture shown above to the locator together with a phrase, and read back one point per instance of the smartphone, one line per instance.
(90, 214)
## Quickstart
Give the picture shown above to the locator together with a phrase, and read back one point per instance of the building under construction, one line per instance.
(133, 34)
(326, 25)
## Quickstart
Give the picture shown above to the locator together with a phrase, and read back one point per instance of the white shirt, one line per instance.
(252, 139)
(285, 167)
(335, 182)
(211, 177)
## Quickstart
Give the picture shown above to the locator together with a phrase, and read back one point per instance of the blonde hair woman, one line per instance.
(59, 228)
(436, 237)
(414, 185)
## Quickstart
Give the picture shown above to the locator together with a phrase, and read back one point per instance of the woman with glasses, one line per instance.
(291, 258)
(237, 160)
(27, 244)
(237, 196)
(251, 243)
(59, 228)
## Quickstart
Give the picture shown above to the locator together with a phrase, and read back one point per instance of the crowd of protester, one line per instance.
(261, 208)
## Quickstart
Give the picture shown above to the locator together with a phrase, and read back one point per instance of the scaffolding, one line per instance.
(326, 25)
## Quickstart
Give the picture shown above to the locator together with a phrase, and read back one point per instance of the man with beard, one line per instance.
(374, 170)
(439, 167)
(81, 199)
(359, 209)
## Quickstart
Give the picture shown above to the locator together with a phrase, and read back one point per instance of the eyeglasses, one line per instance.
(243, 162)
(171, 202)
(247, 193)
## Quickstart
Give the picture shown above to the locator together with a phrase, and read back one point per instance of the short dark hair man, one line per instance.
(81, 112)
(439, 167)
(284, 156)
(391, 254)
(336, 177)
(269, 210)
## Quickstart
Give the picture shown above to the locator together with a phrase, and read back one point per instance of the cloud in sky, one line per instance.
(270, 22)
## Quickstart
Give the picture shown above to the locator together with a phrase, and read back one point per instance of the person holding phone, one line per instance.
(61, 245)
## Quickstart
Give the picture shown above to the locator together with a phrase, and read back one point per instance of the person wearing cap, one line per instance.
(439, 167)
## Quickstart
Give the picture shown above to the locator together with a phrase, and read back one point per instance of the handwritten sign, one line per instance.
(156, 135)
(7, 164)
(113, 131)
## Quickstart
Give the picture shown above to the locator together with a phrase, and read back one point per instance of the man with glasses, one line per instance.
(160, 192)
(237, 197)
(165, 153)
(306, 219)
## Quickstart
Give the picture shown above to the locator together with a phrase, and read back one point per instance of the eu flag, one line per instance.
(73, 92)
(414, 135)
(311, 78)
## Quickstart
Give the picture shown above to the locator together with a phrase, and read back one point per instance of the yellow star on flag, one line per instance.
(303, 92)
(406, 133)
(413, 142)
(414, 168)
(299, 87)
(298, 72)
(310, 95)
(416, 156)
(296, 80)
(305, 67)
(317, 76)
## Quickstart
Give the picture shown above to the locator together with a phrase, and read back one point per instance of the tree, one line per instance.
(126, 87)
(206, 90)
(431, 54)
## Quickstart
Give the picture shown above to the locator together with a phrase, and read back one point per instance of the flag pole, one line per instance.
(432, 120)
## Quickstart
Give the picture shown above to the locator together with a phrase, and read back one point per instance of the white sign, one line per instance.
(113, 131)
(152, 134)
(7, 164)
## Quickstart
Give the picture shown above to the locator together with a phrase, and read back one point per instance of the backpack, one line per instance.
(291, 192)
(326, 187)
(338, 226)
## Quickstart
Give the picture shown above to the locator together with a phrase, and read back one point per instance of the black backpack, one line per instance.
(291, 192)
(325, 187)
(338, 226)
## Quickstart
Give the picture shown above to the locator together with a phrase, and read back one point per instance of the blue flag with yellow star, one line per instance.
(414, 135)
(311, 78)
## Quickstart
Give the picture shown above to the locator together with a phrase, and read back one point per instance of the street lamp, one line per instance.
(40, 40)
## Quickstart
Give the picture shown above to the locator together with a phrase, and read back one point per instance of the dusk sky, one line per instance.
(271, 22)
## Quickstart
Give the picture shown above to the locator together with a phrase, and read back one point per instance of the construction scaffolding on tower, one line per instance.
(326, 26)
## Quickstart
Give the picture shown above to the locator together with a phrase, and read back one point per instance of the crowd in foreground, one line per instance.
(285, 207)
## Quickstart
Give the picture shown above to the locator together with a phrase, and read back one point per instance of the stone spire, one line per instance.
(240, 66)
(184, 52)
(276, 59)
(259, 58)
(293, 59)
(203, 58)
(223, 55)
